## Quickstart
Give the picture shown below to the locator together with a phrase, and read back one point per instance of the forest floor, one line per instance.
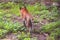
(35, 35)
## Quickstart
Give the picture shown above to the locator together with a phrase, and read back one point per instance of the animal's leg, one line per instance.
(24, 22)
(30, 27)
(30, 24)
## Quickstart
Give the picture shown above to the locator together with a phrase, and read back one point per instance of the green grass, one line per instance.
(52, 28)
(24, 36)
(10, 8)
(10, 27)
(3, 33)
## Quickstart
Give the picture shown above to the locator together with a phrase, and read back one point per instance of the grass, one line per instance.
(24, 36)
(52, 29)
(7, 10)
(10, 7)
(3, 33)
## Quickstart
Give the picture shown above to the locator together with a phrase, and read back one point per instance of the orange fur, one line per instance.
(27, 17)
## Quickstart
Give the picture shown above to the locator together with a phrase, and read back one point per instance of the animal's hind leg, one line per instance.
(25, 22)
(30, 26)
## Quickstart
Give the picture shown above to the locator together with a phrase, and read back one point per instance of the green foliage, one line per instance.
(3, 33)
(15, 10)
(50, 15)
(35, 20)
(1, 25)
(43, 7)
(55, 33)
(24, 36)
(7, 10)
(12, 27)
(6, 5)
(42, 10)
(8, 27)
(52, 28)
(44, 14)
(10, 7)
(34, 9)
(50, 38)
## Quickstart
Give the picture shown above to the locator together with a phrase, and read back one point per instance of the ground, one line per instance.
(11, 22)
(35, 35)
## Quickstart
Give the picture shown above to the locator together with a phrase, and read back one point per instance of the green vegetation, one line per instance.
(3, 33)
(8, 27)
(10, 9)
(43, 12)
(24, 36)
(53, 29)
(50, 27)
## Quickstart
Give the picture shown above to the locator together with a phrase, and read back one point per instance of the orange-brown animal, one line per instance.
(27, 18)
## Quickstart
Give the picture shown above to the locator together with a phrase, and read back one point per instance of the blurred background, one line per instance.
(46, 14)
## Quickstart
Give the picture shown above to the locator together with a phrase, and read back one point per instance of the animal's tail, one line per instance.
(30, 23)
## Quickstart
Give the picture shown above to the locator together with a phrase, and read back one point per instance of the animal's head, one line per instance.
(22, 7)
